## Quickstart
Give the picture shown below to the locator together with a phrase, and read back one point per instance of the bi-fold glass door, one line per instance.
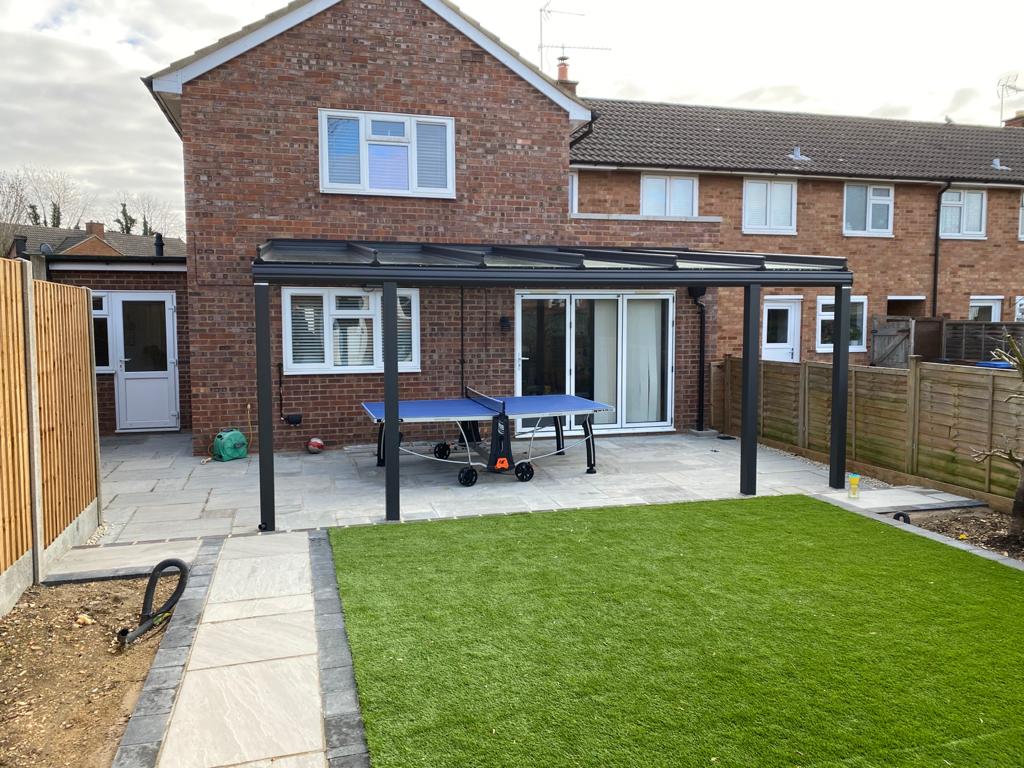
(615, 348)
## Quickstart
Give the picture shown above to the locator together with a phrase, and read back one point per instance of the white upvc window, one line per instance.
(867, 210)
(988, 309)
(1020, 225)
(668, 195)
(102, 340)
(826, 319)
(962, 214)
(340, 330)
(574, 192)
(371, 153)
(769, 207)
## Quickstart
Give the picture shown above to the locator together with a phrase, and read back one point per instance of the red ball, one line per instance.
(315, 445)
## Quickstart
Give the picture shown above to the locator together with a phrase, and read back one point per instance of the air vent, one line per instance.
(474, 55)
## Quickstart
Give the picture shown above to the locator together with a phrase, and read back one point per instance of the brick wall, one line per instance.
(251, 173)
(138, 281)
(900, 265)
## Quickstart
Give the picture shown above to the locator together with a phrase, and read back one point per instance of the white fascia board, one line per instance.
(172, 82)
(113, 266)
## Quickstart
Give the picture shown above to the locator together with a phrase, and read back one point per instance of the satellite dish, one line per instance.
(46, 249)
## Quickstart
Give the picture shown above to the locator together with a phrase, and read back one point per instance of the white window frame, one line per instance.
(870, 201)
(374, 314)
(104, 312)
(667, 178)
(574, 192)
(365, 139)
(962, 205)
(1020, 224)
(995, 302)
(822, 315)
(767, 228)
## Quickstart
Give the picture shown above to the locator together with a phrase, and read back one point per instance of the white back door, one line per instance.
(146, 364)
(780, 331)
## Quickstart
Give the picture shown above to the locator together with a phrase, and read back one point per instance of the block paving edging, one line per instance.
(140, 744)
(343, 724)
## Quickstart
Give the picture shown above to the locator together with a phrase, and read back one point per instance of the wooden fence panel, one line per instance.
(928, 421)
(15, 490)
(64, 362)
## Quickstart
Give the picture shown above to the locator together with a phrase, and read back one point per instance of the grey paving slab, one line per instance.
(261, 577)
(267, 606)
(257, 638)
(140, 557)
(173, 529)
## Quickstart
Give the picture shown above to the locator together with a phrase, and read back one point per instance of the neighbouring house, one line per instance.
(406, 121)
(140, 318)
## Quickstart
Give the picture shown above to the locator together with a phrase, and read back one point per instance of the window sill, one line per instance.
(828, 350)
(445, 195)
(643, 217)
(783, 232)
(346, 372)
(962, 237)
(884, 235)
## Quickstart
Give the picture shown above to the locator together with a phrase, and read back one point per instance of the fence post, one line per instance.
(991, 419)
(801, 415)
(913, 398)
(35, 457)
(95, 408)
(851, 416)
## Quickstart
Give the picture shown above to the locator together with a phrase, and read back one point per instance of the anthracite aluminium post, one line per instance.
(840, 385)
(265, 407)
(392, 503)
(751, 380)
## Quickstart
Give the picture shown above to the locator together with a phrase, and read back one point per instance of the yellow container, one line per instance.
(854, 490)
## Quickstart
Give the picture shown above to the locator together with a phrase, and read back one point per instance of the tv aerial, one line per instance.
(1007, 86)
(546, 12)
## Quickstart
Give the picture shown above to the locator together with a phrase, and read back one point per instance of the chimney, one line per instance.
(94, 228)
(567, 85)
(158, 245)
(1017, 121)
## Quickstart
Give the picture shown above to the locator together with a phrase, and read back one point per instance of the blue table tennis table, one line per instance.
(467, 413)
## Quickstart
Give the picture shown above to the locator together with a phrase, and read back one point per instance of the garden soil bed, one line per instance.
(66, 690)
(984, 528)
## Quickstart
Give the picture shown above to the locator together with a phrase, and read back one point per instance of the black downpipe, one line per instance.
(696, 292)
(935, 258)
(462, 340)
(148, 618)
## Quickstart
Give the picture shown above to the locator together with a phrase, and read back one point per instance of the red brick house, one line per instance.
(406, 121)
(140, 318)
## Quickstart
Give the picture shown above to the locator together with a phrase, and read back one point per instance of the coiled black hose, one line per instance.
(150, 618)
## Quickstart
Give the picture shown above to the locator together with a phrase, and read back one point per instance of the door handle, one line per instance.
(524, 359)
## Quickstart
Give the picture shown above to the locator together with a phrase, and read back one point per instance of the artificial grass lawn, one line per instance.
(764, 632)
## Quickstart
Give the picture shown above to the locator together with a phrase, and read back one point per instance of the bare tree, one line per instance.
(13, 207)
(153, 214)
(1014, 355)
(59, 194)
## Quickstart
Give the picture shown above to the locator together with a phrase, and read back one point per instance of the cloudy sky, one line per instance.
(70, 95)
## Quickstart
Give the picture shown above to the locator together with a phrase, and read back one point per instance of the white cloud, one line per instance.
(70, 95)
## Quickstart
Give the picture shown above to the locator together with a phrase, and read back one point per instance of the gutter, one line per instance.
(586, 130)
(935, 251)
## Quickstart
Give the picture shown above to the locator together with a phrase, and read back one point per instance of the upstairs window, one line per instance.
(963, 214)
(365, 153)
(769, 207)
(340, 330)
(868, 210)
(668, 195)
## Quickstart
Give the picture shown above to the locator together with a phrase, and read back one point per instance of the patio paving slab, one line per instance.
(260, 577)
(256, 638)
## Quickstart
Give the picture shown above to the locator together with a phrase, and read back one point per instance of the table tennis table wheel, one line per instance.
(524, 471)
(467, 476)
(442, 451)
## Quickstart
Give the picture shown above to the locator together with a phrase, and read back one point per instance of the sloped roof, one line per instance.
(651, 134)
(129, 246)
(166, 84)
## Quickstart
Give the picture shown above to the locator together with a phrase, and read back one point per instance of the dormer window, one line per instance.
(367, 153)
